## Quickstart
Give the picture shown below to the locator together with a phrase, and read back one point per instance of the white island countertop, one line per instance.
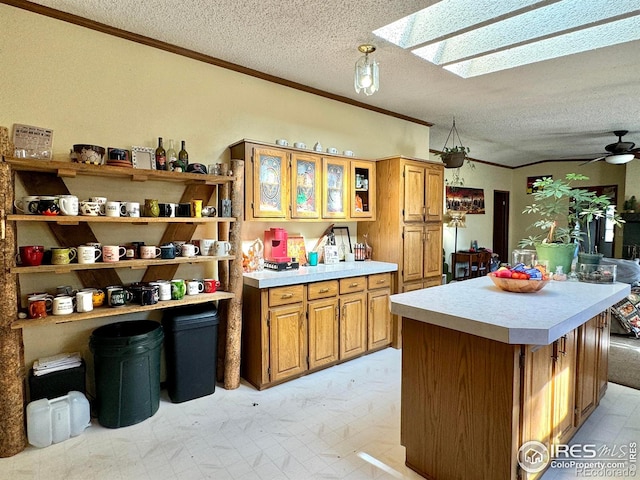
(271, 278)
(480, 308)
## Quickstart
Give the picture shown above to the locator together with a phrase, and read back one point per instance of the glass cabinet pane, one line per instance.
(269, 192)
(305, 190)
(334, 203)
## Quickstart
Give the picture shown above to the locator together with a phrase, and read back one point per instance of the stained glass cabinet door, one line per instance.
(305, 186)
(269, 186)
(336, 184)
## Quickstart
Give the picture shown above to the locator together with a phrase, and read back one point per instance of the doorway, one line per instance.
(501, 224)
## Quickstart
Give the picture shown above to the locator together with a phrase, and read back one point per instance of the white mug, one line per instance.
(194, 287)
(164, 289)
(132, 209)
(114, 209)
(102, 201)
(221, 248)
(84, 301)
(27, 205)
(68, 204)
(62, 305)
(88, 254)
(149, 251)
(113, 253)
(206, 246)
(189, 250)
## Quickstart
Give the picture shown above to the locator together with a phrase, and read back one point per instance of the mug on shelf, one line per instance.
(132, 209)
(63, 305)
(67, 290)
(68, 205)
(177, 289)
(149, 251)
(151, 207)
(168, 251)
(166, 210)
(207, 246)
(196, 208)
(115, 209)
(39, 306)
(164, 289)
(30, 255)
(89, 208)
(27, 205)
(221, 248)
(113, 253)
(148, 295)
(84, 301)
(97, 296)
(211, 285)
(194, 287)
(118, 296)
(101, 201)
(189, 250)
(48, 205)
(63, 255)
(88, 254)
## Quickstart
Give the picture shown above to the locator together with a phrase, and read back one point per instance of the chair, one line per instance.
(480, 264)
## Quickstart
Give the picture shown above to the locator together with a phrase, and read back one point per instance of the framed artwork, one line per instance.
(469, 200)
(331, 255)
(296, 249)
(343, 241)
(531, 180)
(143, 157)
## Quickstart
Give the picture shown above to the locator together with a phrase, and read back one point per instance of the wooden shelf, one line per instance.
(136, 264)
(104, 311)
(70, 169)
(76, 219)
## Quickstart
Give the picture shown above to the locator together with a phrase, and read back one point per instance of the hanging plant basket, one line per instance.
(453, 160)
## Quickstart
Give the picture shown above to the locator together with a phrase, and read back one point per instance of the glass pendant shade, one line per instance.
(366, 74)
(620, 158)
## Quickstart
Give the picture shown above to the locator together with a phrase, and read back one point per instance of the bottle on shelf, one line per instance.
(183, 156)
(172, 156)
(161, 156)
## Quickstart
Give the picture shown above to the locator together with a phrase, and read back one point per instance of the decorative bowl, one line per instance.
(517, 285)
(92, 154)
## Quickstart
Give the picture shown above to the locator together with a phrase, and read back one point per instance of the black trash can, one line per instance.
(126, 358)
(191, 350)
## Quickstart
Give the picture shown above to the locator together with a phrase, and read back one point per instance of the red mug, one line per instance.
(30, 255)
(210, 285)
(39, 306)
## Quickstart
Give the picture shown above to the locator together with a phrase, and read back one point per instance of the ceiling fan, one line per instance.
(619, 152)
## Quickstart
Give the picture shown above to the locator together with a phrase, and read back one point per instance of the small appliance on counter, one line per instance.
(275, 250)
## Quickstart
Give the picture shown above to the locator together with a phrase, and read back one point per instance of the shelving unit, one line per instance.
(49, 176)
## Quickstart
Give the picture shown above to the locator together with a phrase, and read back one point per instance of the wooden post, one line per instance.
(234, 313)
(12, 397)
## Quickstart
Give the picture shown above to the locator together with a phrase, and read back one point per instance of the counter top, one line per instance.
(270, 278)
(480, 308)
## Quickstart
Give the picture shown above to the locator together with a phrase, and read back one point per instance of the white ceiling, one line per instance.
(564, 108)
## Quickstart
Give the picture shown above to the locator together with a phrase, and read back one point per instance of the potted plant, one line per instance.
(563, 209)
(593, 207)
(453, 157)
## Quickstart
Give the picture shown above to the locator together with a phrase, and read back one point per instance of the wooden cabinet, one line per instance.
(565, 351)
(284, 183)
(290, 331)
(413, 201)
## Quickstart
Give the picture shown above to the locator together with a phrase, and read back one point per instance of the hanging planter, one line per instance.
(455, 155)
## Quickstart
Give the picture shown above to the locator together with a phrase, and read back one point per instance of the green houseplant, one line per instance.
(453, 157)
(563, 209)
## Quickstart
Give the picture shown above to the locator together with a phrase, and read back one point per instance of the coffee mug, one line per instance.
(102, 201)
(88, 254)
(149, 251)
(206, 246)
(151, 208)
(164, 289)
(30, 255)
(67, 290)
(88, 208)
(221, 248)
(149, 295)
(313, 259)
(48, 205)
(68, 205)
(211, 285)
(113, 253)
(97, 296)
(166, 210)
(225, 207)
(63, 305)
(39, 306)
(132, 209)
(196, 208)
(194, 287)
(168, 251)
(131, 252)
(118, 296)
(209, 211)
(62, 255)
(189, 250)
(118, 154)
(114, 209)
(27, 205)
(183, 210)
(84, 301)
(177, 289)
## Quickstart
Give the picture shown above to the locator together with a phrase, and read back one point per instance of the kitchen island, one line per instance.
(485, 371)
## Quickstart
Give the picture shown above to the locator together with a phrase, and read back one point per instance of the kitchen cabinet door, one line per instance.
(305, 186)
(413, 253)
(323, 332)
(433, 250)
(379, 319)
(362, 191)
(353, 325)
(287, 341)
(564, 382)
(414, 190)
(269, 183)
(335, 187)
(434, 194)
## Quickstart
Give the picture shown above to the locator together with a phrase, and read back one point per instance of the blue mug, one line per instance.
(168, 251)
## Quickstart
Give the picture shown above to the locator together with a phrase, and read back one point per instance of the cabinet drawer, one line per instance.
(322, 289)
(355, 284)
(379, 280)
(286, 295)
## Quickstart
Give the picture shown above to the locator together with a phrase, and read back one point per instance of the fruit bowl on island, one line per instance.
(518, 285)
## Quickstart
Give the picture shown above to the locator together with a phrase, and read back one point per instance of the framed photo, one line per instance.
(296, 248)
(143, 157)
(343, 241)
(331, 255)
(469, 200)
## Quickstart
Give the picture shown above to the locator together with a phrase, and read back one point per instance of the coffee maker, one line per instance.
(275, 245)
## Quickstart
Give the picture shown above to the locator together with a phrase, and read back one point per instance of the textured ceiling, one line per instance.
(557, 109)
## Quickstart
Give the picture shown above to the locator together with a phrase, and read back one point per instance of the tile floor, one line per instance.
(340, 423)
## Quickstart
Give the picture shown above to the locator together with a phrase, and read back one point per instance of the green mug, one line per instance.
(151, 208)
(178, 289)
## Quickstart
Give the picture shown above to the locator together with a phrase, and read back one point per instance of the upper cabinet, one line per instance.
(423, 192)
(284, 183)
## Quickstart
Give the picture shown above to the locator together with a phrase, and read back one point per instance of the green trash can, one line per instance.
(126, 358)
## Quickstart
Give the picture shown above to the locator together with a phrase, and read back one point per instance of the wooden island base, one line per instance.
(469, 403)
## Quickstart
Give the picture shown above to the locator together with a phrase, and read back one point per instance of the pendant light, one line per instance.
(366, 74)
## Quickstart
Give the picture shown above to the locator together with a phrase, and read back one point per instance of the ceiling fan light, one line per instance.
(620, 158)
(366, 77)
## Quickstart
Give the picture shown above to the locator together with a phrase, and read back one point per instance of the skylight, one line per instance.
(476, 37)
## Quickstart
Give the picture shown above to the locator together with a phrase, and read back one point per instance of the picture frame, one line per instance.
(296, 249)
(331, 255)
(344, 245)
(143, 157)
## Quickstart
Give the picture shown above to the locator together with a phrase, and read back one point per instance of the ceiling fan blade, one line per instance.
(594, 160)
